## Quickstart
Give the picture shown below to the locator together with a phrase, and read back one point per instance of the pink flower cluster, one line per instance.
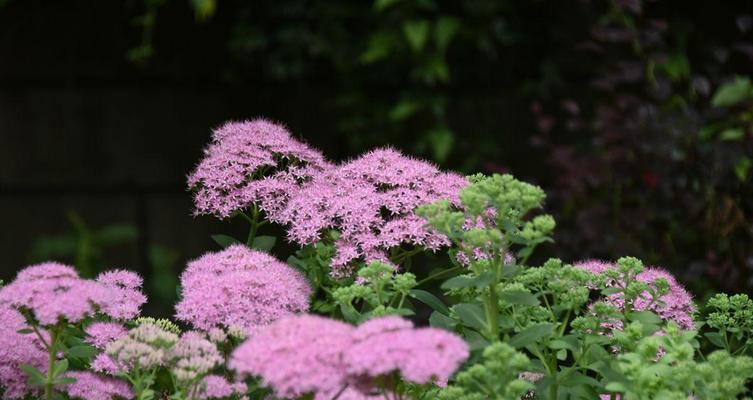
(677, 305)
(369, 200)
(17, 349)
(251, 162)
(193, 356)
(52, 291)
(310, 354)
(240, 288)
(218, 387)
(99, 334)
(90, 386)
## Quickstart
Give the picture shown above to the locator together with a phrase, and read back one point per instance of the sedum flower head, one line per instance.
(370, 201)
(53, 291)
(218, 387)
(90, 386)
(240, 287)
(296, 355)
(391, 344)
(251, 162)
(17, 349)
(676, 304)
(146, 346)
(308, 354)
(193, 356)
(99, 334)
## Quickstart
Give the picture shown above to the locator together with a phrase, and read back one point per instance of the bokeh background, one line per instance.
(634, 115)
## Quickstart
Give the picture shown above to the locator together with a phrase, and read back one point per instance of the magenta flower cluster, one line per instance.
(240, 288)
(91, 386)
(17, 349)
(368, 200)
(309, 354)
(676, 305)
(53, 292)
(251, 162)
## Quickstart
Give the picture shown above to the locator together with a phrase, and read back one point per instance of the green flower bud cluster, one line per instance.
(379, 291)
(496, 375)
(663, 366)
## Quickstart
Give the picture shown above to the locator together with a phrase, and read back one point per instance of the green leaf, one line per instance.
(615, 387)
(520, 297)
(742, 167)
(471, 315)
(611, 290)
(445, 29)
(441, 141)
(349, 313)
(531, 334)
(732, 93)
(381, 5)
(225, 240)
(64, 380)
(35, 376)
(569, 342)
(732, 134)
(405, 108)
(416, 32)
(458, 282)
(475, 340)
(645, 317)
(715, 338)
(465, 281)
(430, 300)
(570, 377)
(264, 243)
(405, 312)
(439, 320)
(59, 367)
(116, 234)
(203, 9)
(82, 351)
(25, 331)
(380, 46)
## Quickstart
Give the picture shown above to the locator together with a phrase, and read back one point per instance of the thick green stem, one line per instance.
(491, 306)
(51, 356)
(253, 220)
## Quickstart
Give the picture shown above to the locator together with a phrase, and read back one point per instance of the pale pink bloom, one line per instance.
(677, 305)
(90, 386)
(296, 355)
(99, 334)
(370, 201)
(390, 344)
(17, 349)
(53, 291)
(251, 162)
(217, 387)
(240, 287)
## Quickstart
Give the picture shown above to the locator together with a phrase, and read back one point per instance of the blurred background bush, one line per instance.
(635, 116)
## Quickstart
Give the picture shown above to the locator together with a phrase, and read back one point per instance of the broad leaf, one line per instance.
(472, 315)
(264, 243)
(430, 300)
(520, 297)
(225, 240)
(531, 335)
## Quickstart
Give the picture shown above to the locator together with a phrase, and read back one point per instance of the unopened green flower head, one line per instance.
(404, 282)
(162, 323)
